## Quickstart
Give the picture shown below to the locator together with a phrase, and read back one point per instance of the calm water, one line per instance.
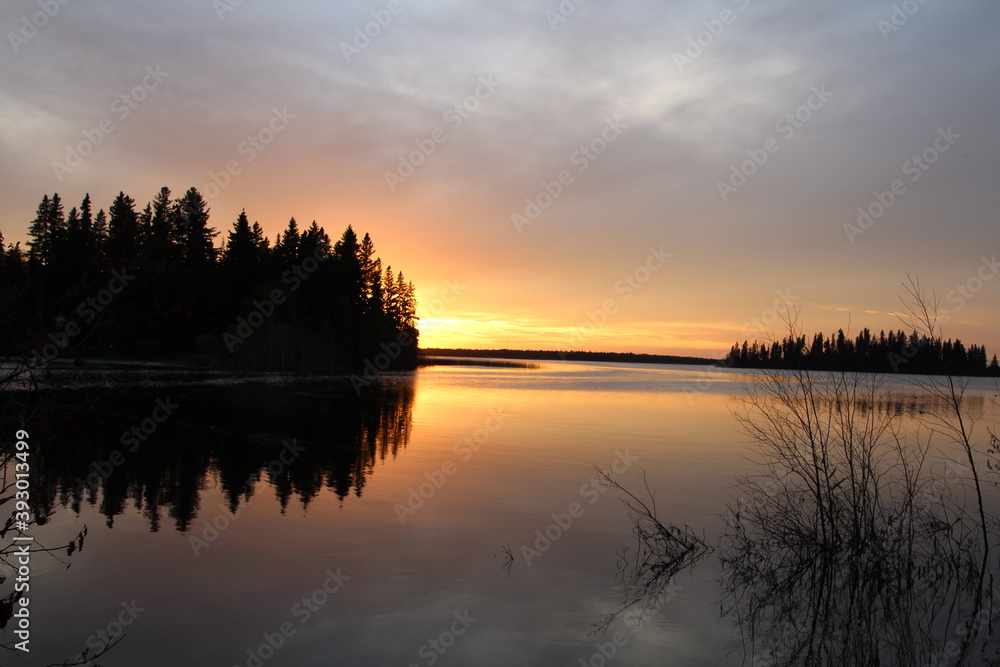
(372, 530)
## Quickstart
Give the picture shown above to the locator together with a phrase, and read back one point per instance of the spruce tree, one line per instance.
(199, 245)
(40, 244)
(123, 230)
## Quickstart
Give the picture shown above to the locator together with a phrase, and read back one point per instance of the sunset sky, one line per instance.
(692, 163)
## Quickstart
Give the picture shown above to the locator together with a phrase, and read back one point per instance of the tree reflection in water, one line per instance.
(228, 434)
(914, 593)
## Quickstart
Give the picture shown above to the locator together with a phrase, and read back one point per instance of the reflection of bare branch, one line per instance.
(86, 658)
(20, 411)
(661, 550)
(845, 551)
(508, 559)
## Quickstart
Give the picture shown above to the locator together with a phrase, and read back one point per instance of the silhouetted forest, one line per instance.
(150, 284)
(895, 352)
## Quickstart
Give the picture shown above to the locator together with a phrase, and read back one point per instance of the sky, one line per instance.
(628, 175)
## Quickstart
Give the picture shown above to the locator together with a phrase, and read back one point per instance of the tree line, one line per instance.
(895, 352)
(570, 355)
(150, 283)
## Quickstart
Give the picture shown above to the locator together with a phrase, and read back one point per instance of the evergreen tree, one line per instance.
(313, 238)
(241, 262)
(371, 275)
(263, 245)
(40, 245)
(407, 303)
(286, 248)
(343, 311)
(87, 220)
(101, 231)
(123, 230)
(161, 245)
(390, 298)
(198, 236)
(348, 262)
(145, 229)
(75, 254)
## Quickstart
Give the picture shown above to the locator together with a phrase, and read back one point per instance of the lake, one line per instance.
(449, 516)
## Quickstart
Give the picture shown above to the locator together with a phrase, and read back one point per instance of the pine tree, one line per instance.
(76, 251)
(57, 222)
(371, 272)
(101, 230)
(86, 221)
(286, 248)
(241, 261)
(38, 246)
(199, 237)
(123, 229)
(348, 262)
(145, 229)
(46, 231)
(313, 238)
(390, 298)
(258, 237)
(407, 303)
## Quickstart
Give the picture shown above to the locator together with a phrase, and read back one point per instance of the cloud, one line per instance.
(687, 127)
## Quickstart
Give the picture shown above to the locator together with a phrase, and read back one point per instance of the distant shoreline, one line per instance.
(557, 355)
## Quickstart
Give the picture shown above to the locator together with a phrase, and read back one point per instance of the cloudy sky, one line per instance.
(627, 175)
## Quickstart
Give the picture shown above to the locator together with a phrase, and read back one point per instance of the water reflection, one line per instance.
(646, 570)
(845, 549)
(918, 595)
(159, 447)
